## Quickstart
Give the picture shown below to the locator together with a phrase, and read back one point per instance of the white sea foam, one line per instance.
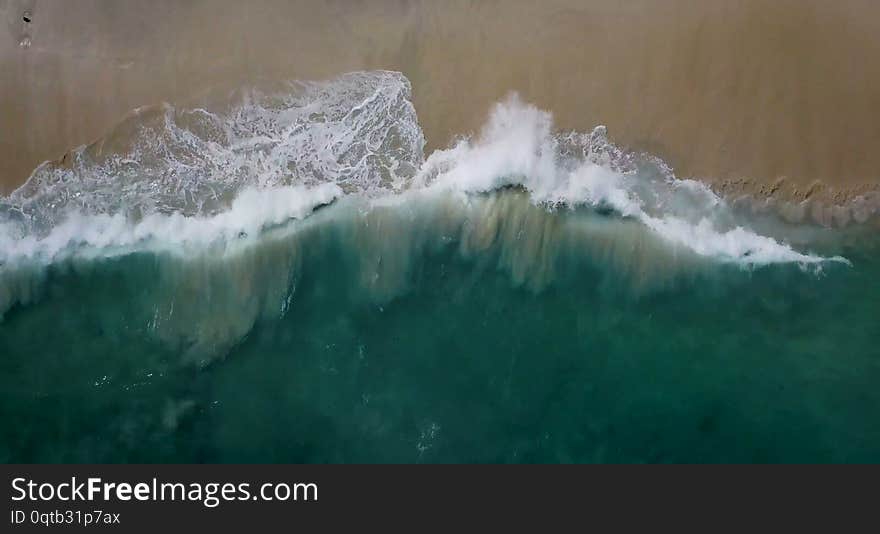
(193, 177)
(252, 211)
(517, 147)
(359, 131)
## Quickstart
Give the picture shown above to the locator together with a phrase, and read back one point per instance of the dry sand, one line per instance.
(766, 97)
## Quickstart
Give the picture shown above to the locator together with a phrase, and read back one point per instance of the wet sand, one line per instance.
(762, 97)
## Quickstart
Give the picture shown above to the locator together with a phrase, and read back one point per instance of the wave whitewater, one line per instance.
(227, 199)
(359, 132)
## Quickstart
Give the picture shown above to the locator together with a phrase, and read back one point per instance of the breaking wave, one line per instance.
(223, 203)
(179, 175)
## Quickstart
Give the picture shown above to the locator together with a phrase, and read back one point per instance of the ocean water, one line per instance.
(288, 277)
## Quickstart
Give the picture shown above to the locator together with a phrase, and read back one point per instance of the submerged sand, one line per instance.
(775, 98)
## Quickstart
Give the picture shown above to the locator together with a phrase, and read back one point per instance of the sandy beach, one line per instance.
(764, 97)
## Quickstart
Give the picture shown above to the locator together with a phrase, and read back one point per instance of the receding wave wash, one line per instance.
(289, 277)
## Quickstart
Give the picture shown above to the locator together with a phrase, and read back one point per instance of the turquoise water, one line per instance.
(405, 339)
(291, 279)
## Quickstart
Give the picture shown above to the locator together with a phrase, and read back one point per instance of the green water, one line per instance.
(499, 332)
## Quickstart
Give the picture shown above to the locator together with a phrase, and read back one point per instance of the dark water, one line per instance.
(505, 332)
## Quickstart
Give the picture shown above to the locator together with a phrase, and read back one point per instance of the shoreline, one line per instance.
(818, 203)
(736, 95)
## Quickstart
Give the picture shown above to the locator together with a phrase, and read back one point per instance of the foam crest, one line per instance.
(252, 211)
(173, 176)
(517, 147)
